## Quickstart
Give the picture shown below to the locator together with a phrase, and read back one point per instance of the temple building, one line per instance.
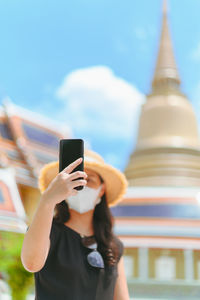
(159, 219)
(27, 141)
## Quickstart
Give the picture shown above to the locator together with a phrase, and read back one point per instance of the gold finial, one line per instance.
(165, 7)
(166, 74)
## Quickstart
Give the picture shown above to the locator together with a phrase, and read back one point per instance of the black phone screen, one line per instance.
(69, 151)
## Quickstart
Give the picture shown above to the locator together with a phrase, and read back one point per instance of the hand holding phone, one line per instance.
(64, 184)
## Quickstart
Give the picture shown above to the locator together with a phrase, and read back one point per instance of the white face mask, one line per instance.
(85, 199)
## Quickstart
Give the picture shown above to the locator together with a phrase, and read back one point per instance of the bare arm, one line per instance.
(121, 288)
(36, 242)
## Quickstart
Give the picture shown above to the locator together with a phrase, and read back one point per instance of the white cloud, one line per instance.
(144, 34)
(111, 158)
(142, 37)
(140, 33)
(97, 101)
(121, 46)
(195, 54)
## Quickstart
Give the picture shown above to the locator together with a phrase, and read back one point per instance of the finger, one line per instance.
(77, 174)
(73, 165)
(78, 182)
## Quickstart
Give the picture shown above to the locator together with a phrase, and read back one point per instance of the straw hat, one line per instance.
(115, 180)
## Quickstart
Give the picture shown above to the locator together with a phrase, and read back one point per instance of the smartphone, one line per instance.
(69, 151)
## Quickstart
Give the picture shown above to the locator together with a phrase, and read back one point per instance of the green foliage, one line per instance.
(19, 280)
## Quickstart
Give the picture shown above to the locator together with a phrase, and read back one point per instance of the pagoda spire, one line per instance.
(166, 75)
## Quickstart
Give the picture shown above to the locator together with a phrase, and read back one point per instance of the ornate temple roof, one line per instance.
(27, 141)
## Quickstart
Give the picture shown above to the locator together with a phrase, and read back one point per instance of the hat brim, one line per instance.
(115, 181)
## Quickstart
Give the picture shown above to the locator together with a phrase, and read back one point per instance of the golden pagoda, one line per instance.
(167, 150)
(158, 220)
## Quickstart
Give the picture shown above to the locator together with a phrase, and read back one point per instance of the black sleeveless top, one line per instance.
(67, 275)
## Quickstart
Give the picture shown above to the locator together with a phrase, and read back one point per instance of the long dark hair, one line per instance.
(103, 222)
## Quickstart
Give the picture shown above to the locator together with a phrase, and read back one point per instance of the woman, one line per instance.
(70, 246)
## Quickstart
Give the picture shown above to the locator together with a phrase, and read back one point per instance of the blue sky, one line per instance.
(89, 63)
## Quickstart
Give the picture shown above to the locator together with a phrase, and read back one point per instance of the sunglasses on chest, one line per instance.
(94, 258)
